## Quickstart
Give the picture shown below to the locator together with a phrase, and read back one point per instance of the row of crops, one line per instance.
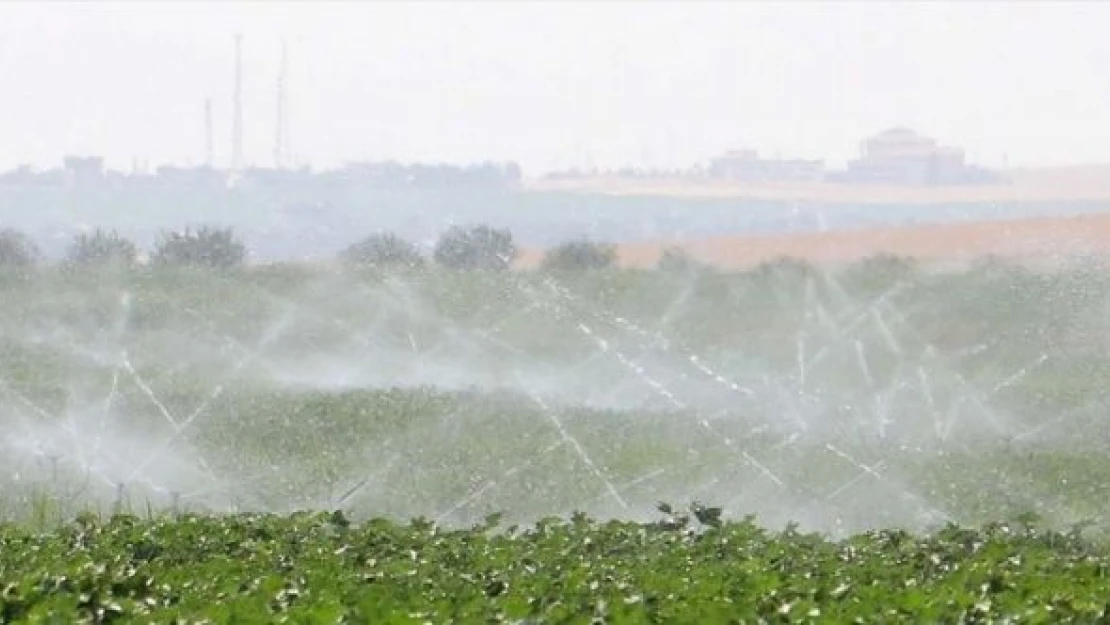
(681, 568)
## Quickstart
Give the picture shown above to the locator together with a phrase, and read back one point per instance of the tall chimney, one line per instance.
(237, 104)
(208, 143)
(281, 128)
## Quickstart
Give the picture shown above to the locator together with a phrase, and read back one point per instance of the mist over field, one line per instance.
(288, 272)
(879, 394)
(554, 312)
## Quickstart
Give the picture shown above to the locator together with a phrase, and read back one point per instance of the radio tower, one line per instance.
(237, 105)
(281, 128)
(208, 145)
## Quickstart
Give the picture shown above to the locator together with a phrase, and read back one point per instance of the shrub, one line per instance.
(678, 260)
(17, 250)
(215, 248)
(580, 255)
(786, 268)
(383, 250)
(887, 265)
(881, 271)
(101, 248)
(475, 247)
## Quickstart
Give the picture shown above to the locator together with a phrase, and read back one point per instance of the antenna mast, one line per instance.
(208, 143)
(237, 103)
(281, 129)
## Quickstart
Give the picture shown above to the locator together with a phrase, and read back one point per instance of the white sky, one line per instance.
(555, 84)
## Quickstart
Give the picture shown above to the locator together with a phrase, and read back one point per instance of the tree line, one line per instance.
(476, 247)
(460, 247)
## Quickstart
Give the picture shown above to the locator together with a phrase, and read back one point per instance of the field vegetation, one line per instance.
(438, 417)
(321, 568)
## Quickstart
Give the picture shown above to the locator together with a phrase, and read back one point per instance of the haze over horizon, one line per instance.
(553, 85)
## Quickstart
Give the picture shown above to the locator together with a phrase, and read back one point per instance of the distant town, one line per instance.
(90, 172)
(898, 156)
(893, 157)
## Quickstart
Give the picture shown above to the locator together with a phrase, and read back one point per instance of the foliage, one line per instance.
(17, 250)
(383, 250)
(207, 246)
(678, 260)
(195, 341)
(101, 248)
(395, 453)
(882, 271)
(290, 351)
(475, 247)
(887, 264)
(786, 269)
(993, 267)
(324, 568)
(580, 255)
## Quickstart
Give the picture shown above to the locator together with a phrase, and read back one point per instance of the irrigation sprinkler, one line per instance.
(120, 492)
(53, 459)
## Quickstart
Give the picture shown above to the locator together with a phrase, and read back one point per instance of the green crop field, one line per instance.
(858, 404)
(320, 569)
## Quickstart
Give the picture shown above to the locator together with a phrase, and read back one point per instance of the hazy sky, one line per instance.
(555, 84)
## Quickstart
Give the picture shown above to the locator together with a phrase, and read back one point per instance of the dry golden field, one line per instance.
(1034, 239)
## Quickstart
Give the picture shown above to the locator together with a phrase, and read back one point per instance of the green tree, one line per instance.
(383, 250)
(786, 268)
(17, 250)
(579, 255)
(678, 260)
(475, 247)
(881, 270)
(101, 248)
(215, 248)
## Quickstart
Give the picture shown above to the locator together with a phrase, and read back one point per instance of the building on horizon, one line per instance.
(78, 172)
(901, 156)
(747, 166)
(83, 171)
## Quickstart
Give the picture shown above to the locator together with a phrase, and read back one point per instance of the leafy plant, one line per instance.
(215, 248)
(101, 248)
(475, 247)
(367, 457)
(785, 269)
(17, 250)
(882, 270)
(321, 567)
(580, 255)
(678, 260)
(383, 250)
